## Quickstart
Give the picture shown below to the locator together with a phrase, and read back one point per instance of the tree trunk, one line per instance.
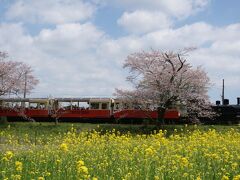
(160, 119)
(56, 121)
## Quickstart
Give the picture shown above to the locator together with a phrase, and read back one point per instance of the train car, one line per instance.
(129, 113)
(84, 109)
(64, 109)
(24, 109)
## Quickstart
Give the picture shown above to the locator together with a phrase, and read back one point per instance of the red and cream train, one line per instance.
(78, 109)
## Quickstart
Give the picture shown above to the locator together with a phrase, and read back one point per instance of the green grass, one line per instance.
(52, 128)
(37, 129)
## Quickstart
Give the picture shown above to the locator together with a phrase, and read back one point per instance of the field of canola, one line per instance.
(75, 154)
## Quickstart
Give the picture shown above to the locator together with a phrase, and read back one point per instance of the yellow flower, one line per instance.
(9, 155)
(18, 165)
(225, 177)
(41, 178)
(83, 170)
(236, 177)
(150, 151)
(80, 163)
(58, 161)
(16, 177)
(94, 178)
(234, 165)
(184, 161)
(64, 147)
(198, 178)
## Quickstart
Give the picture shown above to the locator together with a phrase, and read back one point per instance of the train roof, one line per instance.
(100, 99)
(23, 99)
(72, 99)
(58, 99)
(83, 99)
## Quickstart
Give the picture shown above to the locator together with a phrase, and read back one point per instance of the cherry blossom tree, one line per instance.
(28, 81)
(15, 77)
(164, 80)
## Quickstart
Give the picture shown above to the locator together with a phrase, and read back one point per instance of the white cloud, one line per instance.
(69, 39)
(11, 32)
(15, 40)
(144, 21)
(196, 34)
(50, 11)
(143, 16)
(193, 35)
(176, 8)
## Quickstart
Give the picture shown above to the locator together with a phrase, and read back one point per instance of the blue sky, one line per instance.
(77, 47)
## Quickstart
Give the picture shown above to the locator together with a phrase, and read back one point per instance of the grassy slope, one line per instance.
(51, 128)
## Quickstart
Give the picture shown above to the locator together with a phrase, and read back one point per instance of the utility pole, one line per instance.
(223, 92)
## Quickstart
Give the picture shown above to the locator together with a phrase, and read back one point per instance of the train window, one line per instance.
(148, 106)
(42, 106)
(126, 106)
(117, 105)
(94, 105)
(33, 106)
(136, 106)
(104, 105)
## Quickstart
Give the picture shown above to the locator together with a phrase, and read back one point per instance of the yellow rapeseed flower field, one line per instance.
(94, 155)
